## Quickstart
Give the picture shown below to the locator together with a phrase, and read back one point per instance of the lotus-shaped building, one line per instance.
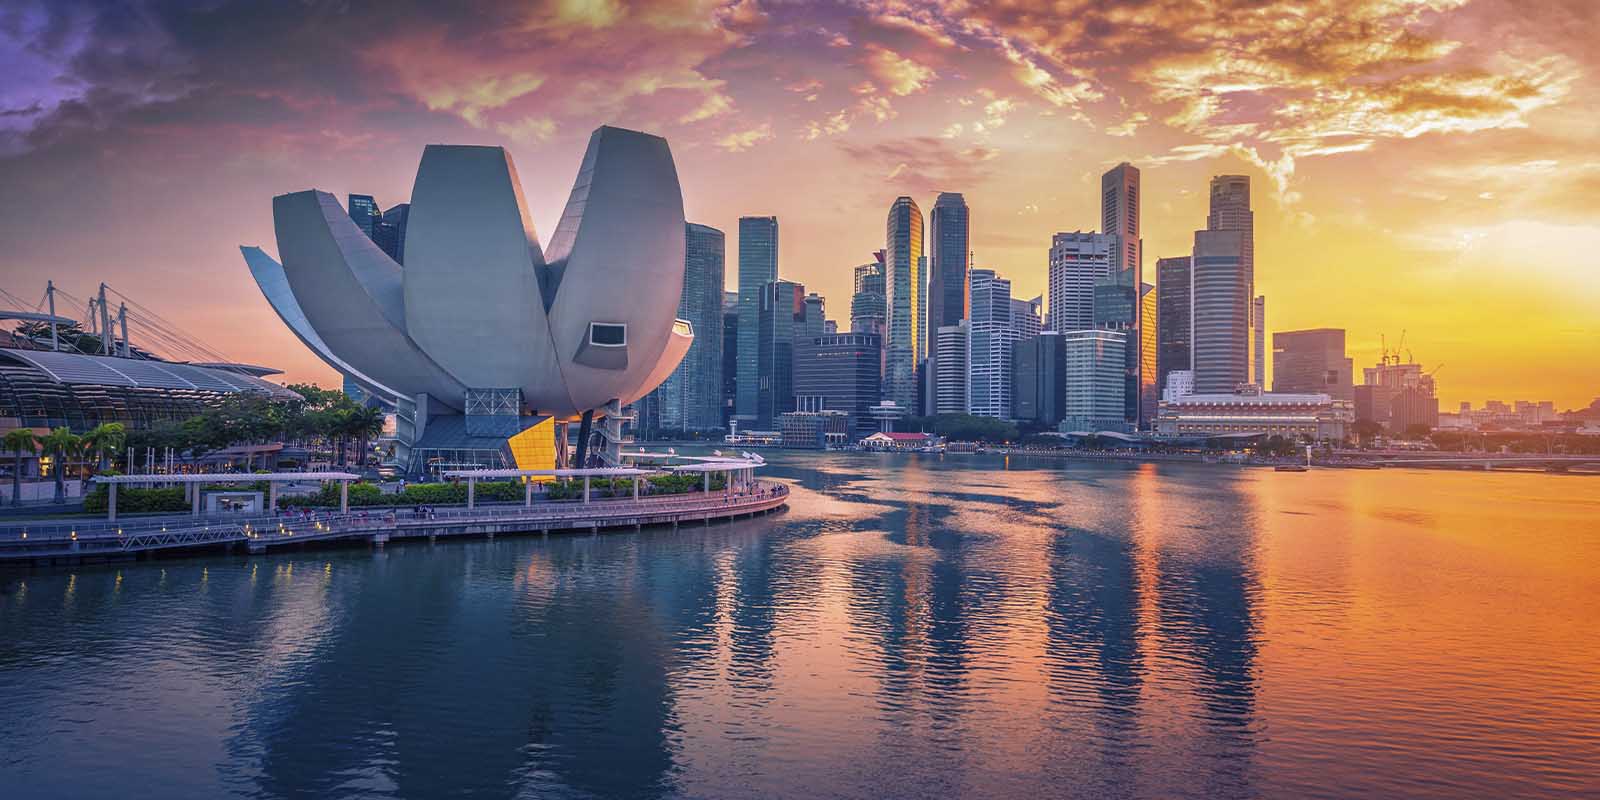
(484, 336)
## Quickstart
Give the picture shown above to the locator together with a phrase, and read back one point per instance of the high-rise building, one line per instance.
(1230, 211)
(1397, 395)
(1119, 216)
(991, 333)
(869, 303)
(1312, 361)
(949, 249)
(758, 266)
(364, 212)
(1093, 376)
(903, 281)
(1078, 261)
(782, 317)
(1038, 379)
(393, 224)
(1220, 295)
(1173, 326)
(1258, 340)
(950, 371)
(689, 399)
(816, 323)
(1149, 390)
(730, 355)
(1027, 316)
(841, 372)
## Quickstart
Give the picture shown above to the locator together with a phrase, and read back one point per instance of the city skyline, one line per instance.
(1479, 140)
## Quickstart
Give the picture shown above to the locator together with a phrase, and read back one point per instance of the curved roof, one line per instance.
(78, 369)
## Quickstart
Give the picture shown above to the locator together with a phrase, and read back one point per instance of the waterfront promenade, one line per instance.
(72, 542)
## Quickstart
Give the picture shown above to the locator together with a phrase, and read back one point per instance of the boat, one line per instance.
(1292, 468)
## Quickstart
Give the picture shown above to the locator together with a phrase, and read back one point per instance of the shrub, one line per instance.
(134, 500)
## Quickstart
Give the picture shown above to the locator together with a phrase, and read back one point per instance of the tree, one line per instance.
(60, 443)
(1366, 430)
(1417, 430)
(364, 423)
(20, 441)
(105, 438)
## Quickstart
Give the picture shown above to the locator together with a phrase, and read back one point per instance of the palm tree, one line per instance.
(105, 438)
(364, 423)
(60, 443)
(20, 441)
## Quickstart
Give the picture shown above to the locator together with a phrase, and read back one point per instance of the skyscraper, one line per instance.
(782, 316)
(1220, 295)
(840, 372)
(1149, 391)
(394, 222)
(1312, 362)
(1119, 216)
(950, 376)
(1038, 381)
(903, 282)
(1078, 261)
(949, 247)
(1230, 211)
(689, 399)
(1026, 316)
(869, 303)
(816, 317)
(1093, 376)
(730, 355)
(758, 266)
(364, 212)
(990, 334)
(1173, 327)
(1258, 340)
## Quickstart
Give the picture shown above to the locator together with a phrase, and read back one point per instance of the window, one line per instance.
(608, 334)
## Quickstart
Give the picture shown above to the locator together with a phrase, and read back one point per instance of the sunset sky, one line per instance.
(1427, 166)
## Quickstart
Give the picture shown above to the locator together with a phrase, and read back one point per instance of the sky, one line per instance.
(1420, 167)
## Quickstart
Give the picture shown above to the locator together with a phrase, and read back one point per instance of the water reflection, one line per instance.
(912, 627)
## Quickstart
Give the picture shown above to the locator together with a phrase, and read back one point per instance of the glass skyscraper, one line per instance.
(869, 304)
(1220, 293)
(904, 345)
(1173, 328)
(690, 398)
(781, 319)
(364, 211)
(949, 299)
(1078, 261)
(1230, 211)
(758, 266)
(991, 333)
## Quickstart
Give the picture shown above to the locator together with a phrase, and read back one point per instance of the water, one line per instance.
(912, 627)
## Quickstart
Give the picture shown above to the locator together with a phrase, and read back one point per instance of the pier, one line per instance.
(83, 541)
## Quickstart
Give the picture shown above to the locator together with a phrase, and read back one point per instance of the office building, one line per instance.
(1180, 383)
(1251, 412)
(690, 398)
(1149, 391)
(393, 226)
(990, 335)
(869, 303)
(364, 212)
(758, 266)
(1220, 318)
(1173, 324)
(1397, 396)
(1312, 361)
(1119, 216)
(949, 251)
(730, 355)
(1078, 261)
(841, 372)
(782, 319)
(1027, 316)
(1093, 377)
(1038, 379)
(1230, 211)
(904, 343)
(816, 323)
(1258, 340)
(950, 371)
(813, 430)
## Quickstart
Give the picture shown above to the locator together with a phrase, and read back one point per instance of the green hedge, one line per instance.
(133, 500)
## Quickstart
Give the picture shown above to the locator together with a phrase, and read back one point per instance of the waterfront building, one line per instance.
(781, 320)
(1119, 216)
(1173, 324)
(364, 213)
(1149, 391)
(869, 303)
(758, 266)
(950, 371)
(1258, 340)
(1249, 411)
(949, 253)
(841, 372)
(1038, 379)
(1220, 316)
(814, 430)
(1078, 261)
(1093, 375)
(901, 442)
(690, 398)
(990, 336)
(484, 337)
(1230, 211)
(730, 356)
(906, 338)
(1312, 361)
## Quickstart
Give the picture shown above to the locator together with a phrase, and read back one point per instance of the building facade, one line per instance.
(690, 398)
(1119, 216)
(869, 302)
(905, 342)
(949, 252)
(1038, 379)
(1230, 211)
(950, 371)
(1220, 302)
(990, 336)
(781, 320)
(1312, 361)
(364, 212)
(758, 266)
(1251, 411)
(730, 355)
(1093, 375)
(1078, 261)
(840, 372)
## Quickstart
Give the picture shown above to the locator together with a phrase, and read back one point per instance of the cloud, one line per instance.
(923, 164)
(833, 125)
(898, 74)
(528, 130)
(740, 141)
(714, 106)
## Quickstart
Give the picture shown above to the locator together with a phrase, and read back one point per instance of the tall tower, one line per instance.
(1078, 261)
(949, 297)
(1230, 211)
(903, 281)
(364, 212)
(758, 266)
(1119, 215)
(1258, 340)
(1173, 327)
(1220, 298)
(868, 303)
